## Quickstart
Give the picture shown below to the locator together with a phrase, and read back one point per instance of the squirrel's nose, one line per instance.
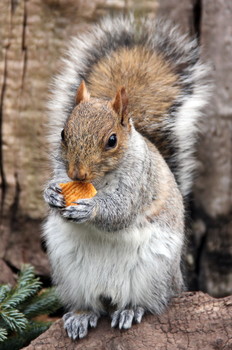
(81, 177)
(78, 174)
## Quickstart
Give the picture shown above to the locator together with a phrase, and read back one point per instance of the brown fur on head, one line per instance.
(87, 142)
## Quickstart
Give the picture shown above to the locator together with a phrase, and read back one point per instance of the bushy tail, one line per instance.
(176, 129)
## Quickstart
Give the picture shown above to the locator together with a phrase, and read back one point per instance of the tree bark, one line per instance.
(193, 321)
(213, 199)
(209, 251)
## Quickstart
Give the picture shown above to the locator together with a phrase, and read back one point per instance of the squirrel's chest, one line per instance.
(105, 271)
(100, 273)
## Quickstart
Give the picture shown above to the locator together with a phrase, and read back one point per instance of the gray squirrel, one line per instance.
(123, 116)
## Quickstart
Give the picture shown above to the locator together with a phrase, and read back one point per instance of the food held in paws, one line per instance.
(74, 190)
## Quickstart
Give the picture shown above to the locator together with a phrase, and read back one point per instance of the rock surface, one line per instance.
(193, 321)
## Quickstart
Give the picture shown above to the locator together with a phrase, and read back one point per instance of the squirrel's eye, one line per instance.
(62, 135)
(112, 142)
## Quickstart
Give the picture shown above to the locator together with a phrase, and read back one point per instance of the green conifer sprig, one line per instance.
(3, 334)
(44, 303)
(14, 320)
(4, 291)
(19, 304)
(33, 330)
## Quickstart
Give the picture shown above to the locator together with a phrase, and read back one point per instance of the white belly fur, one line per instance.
(125, 265)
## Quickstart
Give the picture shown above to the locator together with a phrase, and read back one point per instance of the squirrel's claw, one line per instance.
(139, 312)
(77, 325)
(53, 197)
(125, 318)
(84, 211)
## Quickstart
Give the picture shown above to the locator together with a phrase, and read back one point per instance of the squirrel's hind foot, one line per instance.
(125, 318)
(77, 325)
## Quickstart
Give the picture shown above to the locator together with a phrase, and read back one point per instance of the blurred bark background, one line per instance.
(33, 35)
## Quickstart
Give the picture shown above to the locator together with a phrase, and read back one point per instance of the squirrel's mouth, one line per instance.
(85, 179)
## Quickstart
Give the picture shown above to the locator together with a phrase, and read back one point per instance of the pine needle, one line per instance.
(14, 319)
(4, 291)
(26, 275)
(3, 334)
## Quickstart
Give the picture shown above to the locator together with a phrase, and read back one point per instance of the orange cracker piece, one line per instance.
(72, 191)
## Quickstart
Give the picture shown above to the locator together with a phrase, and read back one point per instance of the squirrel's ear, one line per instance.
(120, 103)
(82, 93)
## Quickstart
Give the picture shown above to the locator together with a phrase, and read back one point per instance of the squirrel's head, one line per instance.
(95, 135)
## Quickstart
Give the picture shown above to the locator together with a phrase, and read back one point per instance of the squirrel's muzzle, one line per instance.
(78, 174)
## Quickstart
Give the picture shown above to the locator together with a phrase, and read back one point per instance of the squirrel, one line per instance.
(123, 116)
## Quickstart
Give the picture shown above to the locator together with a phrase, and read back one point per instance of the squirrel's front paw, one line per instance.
(84, 211)
(53, 196)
